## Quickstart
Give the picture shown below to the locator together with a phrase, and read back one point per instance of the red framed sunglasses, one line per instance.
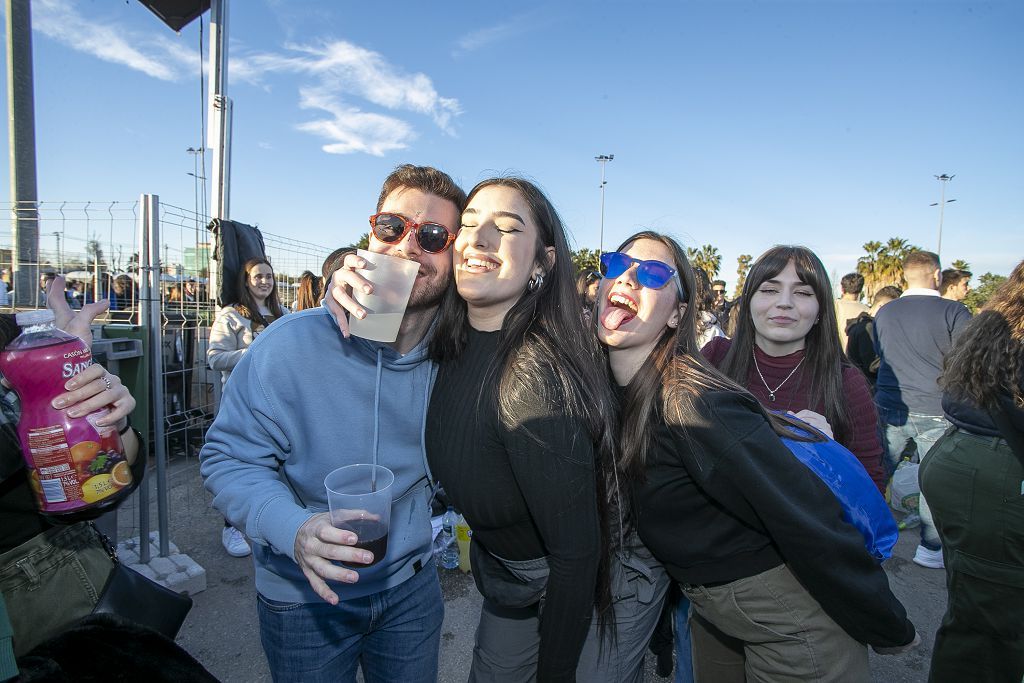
(392, 228)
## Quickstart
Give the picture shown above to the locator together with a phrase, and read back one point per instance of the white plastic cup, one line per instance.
(392, 279)
(359, 498)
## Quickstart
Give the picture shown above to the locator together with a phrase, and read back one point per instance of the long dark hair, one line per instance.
(310, 291)
(823, 356)
(674, 375)
(246, 304)
(544, 334)
(986, 363)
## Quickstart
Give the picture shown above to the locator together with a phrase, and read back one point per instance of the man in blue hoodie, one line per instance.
(275, 438)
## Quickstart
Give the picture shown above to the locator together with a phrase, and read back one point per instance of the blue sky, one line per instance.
(742, 124)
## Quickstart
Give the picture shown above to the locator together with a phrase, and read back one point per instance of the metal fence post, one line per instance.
(149, 305)
(144, 313)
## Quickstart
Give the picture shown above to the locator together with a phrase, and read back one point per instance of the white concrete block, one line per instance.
(145, 570)
(177, 571)
(162, 566)
(192, 581)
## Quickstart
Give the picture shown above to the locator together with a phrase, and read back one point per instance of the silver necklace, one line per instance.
(771, 392)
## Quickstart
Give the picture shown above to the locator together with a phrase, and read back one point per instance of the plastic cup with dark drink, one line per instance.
(359, 497)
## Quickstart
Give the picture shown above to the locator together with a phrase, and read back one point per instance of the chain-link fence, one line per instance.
(151, 262)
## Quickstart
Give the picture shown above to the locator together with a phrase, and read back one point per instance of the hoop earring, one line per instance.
(535, 283)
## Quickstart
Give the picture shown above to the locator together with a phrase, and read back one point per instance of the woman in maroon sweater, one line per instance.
(786, 352)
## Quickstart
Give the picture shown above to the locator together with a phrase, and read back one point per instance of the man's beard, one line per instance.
(429, 295)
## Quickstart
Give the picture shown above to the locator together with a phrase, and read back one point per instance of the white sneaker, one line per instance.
(929, 558)
(234, 542)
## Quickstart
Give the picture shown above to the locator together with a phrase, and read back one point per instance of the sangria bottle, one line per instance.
(76, 468)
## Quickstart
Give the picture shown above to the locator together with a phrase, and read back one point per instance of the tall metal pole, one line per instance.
(220, 110)
(22, 136)
(943, 179)
(149, 306)
(220, 126)
(145, 313)
(602, 159)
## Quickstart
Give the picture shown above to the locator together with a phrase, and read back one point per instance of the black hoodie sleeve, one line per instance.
(758, 479)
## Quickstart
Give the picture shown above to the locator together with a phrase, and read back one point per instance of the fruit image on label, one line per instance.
(121, 475)
(83, 452)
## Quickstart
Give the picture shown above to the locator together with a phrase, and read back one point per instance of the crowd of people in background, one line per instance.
(617, 440)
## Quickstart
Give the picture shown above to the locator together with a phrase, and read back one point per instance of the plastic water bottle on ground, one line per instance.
(449, 548)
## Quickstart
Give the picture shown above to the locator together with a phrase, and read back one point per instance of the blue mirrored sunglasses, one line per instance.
(652, 274)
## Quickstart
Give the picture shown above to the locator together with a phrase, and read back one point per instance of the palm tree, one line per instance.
(960, 264)
(706, 258)
(742, 268)
(896, 249)
(868, 267)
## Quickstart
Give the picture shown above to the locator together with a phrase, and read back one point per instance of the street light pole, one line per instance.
(602, 159)
(943, 179)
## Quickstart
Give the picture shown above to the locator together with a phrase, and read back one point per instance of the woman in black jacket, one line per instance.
(756, 541)
(974, 481)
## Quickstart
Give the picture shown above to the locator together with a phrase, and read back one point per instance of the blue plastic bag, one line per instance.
(863, 506)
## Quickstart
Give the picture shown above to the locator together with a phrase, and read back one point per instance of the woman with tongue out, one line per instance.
(782, 587)
(520, 420)
(786, 352)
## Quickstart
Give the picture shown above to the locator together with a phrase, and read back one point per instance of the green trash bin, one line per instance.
(134, 373)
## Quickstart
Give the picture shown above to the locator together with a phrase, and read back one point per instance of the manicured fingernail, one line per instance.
(71, 384)
(59, 402)
(74, 412)
(367, 288)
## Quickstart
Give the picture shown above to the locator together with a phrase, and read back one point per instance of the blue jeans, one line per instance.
(898, 428)
(393, 635)
(684, 652)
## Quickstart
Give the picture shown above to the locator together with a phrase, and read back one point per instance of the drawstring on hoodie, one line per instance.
(376, 409)
(435, 485)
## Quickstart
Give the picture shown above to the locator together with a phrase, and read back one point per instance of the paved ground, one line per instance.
(222, 633)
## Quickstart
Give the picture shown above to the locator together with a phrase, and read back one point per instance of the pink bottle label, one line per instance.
(73, 464)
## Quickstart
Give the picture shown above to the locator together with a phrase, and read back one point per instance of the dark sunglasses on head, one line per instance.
(651, 274)
(391, 228)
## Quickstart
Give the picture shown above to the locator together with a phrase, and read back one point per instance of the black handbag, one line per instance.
(130, 595)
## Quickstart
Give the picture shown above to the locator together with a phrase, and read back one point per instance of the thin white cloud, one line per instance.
(338, 74)
(342, 68)
(485, 37)
(155, 56)
(350, 130)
